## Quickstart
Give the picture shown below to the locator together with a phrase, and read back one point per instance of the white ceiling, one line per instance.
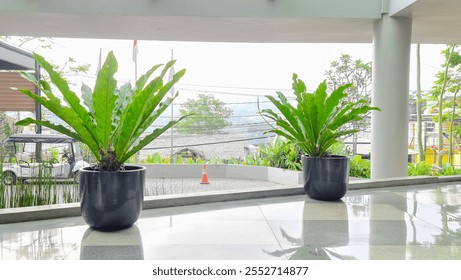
(435, 21)
(339, 21)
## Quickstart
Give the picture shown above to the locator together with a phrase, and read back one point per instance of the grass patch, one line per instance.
(43, 190)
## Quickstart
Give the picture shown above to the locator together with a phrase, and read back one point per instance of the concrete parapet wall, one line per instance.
(284, 176)
(259, 173)
(213, 171)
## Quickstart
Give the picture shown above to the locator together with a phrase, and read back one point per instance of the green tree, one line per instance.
(447, 80)
(209, 115)
(350, 71)
(355, 72)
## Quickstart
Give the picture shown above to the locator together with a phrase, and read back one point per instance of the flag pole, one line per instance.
(172, 111)
(135, 71)
(99, 62)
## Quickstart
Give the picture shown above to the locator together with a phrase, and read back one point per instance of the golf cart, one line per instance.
(53, 155)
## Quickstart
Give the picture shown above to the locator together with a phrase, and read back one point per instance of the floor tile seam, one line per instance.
(421, 220)
(272, 231)
(434, 208)
(432, 225)
(457, 218)
(403, 193)
(431, 206)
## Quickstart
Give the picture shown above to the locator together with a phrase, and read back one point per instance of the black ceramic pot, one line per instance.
(325, 178)
(111, 200)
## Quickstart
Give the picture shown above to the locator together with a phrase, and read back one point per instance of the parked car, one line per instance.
(53, 155)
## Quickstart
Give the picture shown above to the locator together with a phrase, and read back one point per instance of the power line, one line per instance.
(230, 133)
(233, 125)
(222, 92)
(205, 117)
(234, 87)
(239, 103)
(238, 131)
(209, 143)
(212, 86)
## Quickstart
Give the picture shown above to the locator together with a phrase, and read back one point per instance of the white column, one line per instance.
(391, 67)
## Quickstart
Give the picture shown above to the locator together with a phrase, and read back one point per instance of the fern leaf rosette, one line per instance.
(113, 122)
(314, 122)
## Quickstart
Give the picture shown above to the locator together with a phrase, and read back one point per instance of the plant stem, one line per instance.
(452, 122)
(442, 92)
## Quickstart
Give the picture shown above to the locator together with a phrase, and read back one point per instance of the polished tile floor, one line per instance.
(415, 222)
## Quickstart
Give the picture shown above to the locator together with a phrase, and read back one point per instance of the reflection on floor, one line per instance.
(415, 222)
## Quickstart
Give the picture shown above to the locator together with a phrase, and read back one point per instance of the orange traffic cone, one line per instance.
(204, 176)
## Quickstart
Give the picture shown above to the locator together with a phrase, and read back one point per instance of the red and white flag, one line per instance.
(135, 50)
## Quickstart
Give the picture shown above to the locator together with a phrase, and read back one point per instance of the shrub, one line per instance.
(278, 153)
(359, 167)
(419, 169)
(449, 170)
